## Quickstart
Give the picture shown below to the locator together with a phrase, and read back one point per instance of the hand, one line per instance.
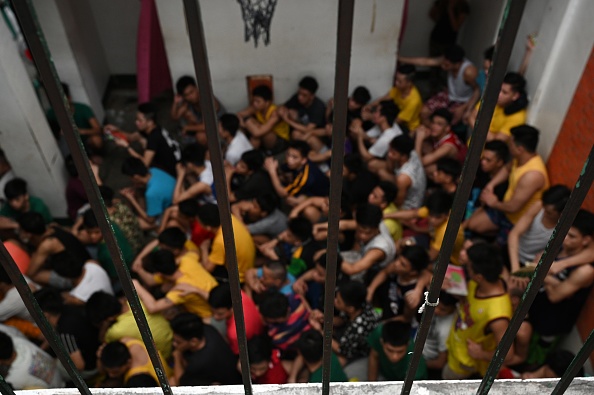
(178, 100)
(422, 133)
(180, 170)
(330, 103)
(413, 298)
(271, 165)
(475, 350)
(530, 42)
(489, 198)
(300, 287)
(556, 268)
(109, 128)
(120, 142)
(282, 112)
(518, 282)
(128, 193)
(137, 265)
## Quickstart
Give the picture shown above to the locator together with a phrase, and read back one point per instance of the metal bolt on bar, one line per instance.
(553, 246)
(200, 57)
(33, 34)
(341, 86)
(507, 34)
(575, 365)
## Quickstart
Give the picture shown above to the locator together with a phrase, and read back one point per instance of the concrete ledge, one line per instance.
(579, 386)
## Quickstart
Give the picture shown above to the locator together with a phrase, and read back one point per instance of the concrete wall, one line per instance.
(303, 41)
(415, 41)
(25, 136)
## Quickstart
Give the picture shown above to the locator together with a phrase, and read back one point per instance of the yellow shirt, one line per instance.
(244, 247)
(471, 321)
(410, 106)
(502, 123)
(534, 164)
(146, 368)
(393, 225)
(281, 128)
(438, 234)
(193, 273)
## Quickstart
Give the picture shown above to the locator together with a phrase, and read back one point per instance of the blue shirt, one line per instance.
(159, 192)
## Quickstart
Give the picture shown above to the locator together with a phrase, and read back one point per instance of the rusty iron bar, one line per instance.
(507, 33)
(554, 244)
(341, 86)
(33, 34)
(203, 78)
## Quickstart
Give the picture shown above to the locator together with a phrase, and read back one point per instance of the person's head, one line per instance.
(228, 125)
(193, 156)
(31, 225)
(259, 354)
(264, 205)
(439, 204)
(320, 266)
(447, 304)
(463, 257)
(350, 297)
(160, 262)
(580, 233)
(400, 148)
(385, 112)
(308, 86)
(115, 359)
(102, 306)
(90, 227)
(524, 140)
(494, 156)
(440, 122)
(310, 345)
(274, 275)
(188, 332)
(368, 220)
(261, 97)
(172, 239)
(383, 194)
(209, 217)
(249, 162)
(296, 155)
(512, 88)
(554, 200)
(447, 171)
(299, 230)
(186, 87)
(486, 263)
(412, 260)
(395, 339)
(488, 58)
(107, 195)
(220, 302)
(359, 98)
(7, 352)
(146, 117)
(135, 169)
(51, 303)
(188, 208)
(452, 58)
(66, 265)
(16, 194)
(274, 307)
(405, 75)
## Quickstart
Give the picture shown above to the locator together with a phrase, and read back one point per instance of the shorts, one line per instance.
(441, 100)
(503, 223)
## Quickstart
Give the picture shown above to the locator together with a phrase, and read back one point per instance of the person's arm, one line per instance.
(439, 362)
(152, 305)
(378, 280)
(140, 211)
(195, 190)
(178, 107)
(71, 300)
(498, 328)
(421, 61)
(373, 366)
(403, 215)
(363, 151)
(95, 128)
(501, 176)
(284, 114)
(584, 257)
(372, 256)
(258, 129)
(315, 201)
(146, 157)
(530, 44)
(187, 289)
(246, 112)
(446, 150)
(513, 239)
(47, 247)
(253, 282)
(297, 366)
(530, 183)
(521, 344)
(271, 166)
(558, 290)
(470, 74)
(179, 366)
(403, 183)
(204, 256)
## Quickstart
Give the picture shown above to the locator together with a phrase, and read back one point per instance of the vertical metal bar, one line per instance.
(33, 34)
(341, 94)
(5, 389)
(575, 365)
(507, 33)
(200, 56)
(551, 250)
(50, 334)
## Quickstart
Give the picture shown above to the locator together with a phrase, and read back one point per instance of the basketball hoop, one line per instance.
(257, 15)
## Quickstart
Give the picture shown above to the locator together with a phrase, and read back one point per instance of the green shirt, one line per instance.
(395, 371)
(336, 372)
(36, 205)
(82, 115)
(105, 258)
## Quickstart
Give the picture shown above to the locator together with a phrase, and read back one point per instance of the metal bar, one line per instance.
(575, 365)
(341, 94)
(200, 56)
(551, 250)
(32, 32)
(5, 389)
(507, 34)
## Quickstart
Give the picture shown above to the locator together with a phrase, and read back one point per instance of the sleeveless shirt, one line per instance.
(534, 164)
(534, 239)
(458, 90)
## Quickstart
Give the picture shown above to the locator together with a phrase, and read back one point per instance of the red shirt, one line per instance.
(452, 139)
(275, 374)
(252, 319)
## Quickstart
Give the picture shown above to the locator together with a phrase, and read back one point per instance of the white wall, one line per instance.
(303, 41)
(25, 136)
(481, 28)
(117, 26)
(415, 40)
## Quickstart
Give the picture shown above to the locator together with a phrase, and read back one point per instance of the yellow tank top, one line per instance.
(472, 319)
(534, 164)
(281, 128)
(146, 368)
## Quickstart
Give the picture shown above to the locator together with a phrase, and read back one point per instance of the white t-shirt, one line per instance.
(32, 368)
(437, 337)
(380, 148)
(208, 178)
(13, 306)
(414, 169)
(94, 279)
(237, 147)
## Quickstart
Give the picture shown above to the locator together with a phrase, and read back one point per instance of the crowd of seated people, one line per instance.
(403, 162)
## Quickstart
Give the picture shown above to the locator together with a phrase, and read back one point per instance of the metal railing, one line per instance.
(512, 16)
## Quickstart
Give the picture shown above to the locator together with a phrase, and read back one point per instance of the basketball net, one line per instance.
(257, 15)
